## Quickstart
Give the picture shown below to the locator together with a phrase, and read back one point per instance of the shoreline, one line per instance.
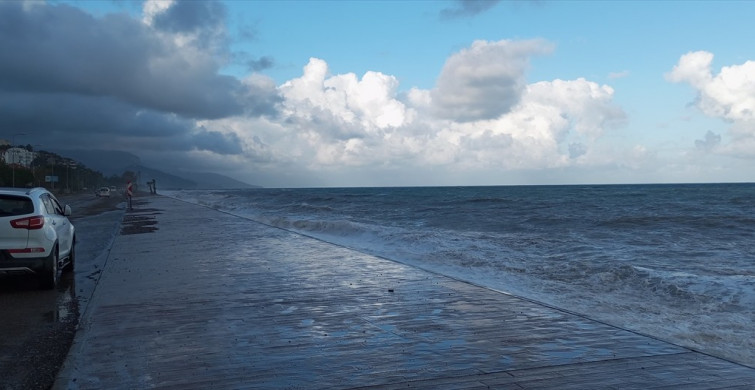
(656, 275)
(180, 307)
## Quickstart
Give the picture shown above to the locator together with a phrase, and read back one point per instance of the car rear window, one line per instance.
(15, 205)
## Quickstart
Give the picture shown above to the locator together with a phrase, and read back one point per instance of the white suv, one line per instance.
(36, 236)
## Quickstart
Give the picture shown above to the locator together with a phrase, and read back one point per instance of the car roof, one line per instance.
(21, 191)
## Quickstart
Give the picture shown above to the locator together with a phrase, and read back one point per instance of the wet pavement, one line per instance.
(195, 298)
(38, 326)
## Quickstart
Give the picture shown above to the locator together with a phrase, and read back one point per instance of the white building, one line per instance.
(19, 156)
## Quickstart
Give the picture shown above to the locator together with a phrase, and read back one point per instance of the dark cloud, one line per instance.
(192, 138)
(485, 80)
(260, 64)
(84, 121)
(711, 141)
(203, 21)
(62, 49)
(214, 141)
(577, 149)
(73, 80)
(467, 8)
(261, 97)
(247, 32)
(191, 16)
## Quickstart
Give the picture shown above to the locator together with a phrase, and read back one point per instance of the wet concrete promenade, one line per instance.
(192, 298)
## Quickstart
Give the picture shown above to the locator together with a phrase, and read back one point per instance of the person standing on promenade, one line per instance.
(152, 187)
(129, 194)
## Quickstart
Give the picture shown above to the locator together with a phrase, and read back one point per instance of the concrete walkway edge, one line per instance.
(196, 298)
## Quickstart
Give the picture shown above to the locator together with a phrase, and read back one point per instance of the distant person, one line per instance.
(129, 194)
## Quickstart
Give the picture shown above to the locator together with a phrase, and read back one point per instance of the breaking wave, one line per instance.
(646, 259)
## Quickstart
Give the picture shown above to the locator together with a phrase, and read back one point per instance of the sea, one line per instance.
(676, 261)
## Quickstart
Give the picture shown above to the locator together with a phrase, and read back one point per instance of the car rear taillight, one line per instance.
(29, 223)
(27, 250)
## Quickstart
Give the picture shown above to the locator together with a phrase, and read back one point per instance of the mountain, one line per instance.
(109, 162)
(165, 181)
(209, 180)
(116, 162)
(189, 181)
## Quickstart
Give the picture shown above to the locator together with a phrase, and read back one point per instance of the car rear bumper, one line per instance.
(12, 265)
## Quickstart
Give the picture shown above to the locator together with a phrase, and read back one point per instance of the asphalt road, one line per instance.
(38, 326)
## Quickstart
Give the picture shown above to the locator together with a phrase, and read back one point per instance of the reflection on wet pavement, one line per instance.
(37, 326)
(139, 220)
(214, 301)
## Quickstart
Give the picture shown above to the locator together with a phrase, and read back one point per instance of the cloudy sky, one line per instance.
(385, 93)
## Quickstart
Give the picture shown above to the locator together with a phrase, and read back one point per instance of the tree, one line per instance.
(128, 176)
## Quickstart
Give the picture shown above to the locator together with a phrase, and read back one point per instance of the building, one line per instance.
(19, 156)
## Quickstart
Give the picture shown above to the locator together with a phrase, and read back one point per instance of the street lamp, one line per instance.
(71, 165)
(51, 160)
(34, 173)
(13, 153)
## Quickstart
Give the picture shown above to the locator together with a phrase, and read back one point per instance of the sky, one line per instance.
(390, 93)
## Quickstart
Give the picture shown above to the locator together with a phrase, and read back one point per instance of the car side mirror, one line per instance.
(67, 211)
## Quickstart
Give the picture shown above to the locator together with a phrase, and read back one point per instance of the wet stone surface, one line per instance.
(215, 301)
(139, 222)
(139, 219)
(38, 326)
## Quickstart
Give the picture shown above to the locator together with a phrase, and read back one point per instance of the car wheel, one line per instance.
(48, 278)
(71, 257)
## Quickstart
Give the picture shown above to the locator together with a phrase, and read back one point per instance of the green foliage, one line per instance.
(72, 175)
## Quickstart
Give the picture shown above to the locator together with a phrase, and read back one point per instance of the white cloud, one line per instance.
(369, 103)
(694, 68)
(343, 124)
(587, 105)
(151, 8)
(154, 86)
(374, 98)
(341, 116)
(729, 95)
(551, 122)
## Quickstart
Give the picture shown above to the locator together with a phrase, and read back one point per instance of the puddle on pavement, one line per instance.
(37, 328)
(66, 305)
(140, 221)
(28, 308)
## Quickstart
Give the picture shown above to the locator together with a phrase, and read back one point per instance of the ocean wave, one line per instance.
(685, 278)
(307, 207)
(489, 200)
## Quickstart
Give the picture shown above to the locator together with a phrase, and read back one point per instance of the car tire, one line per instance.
(71, 257)
(48, 278)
